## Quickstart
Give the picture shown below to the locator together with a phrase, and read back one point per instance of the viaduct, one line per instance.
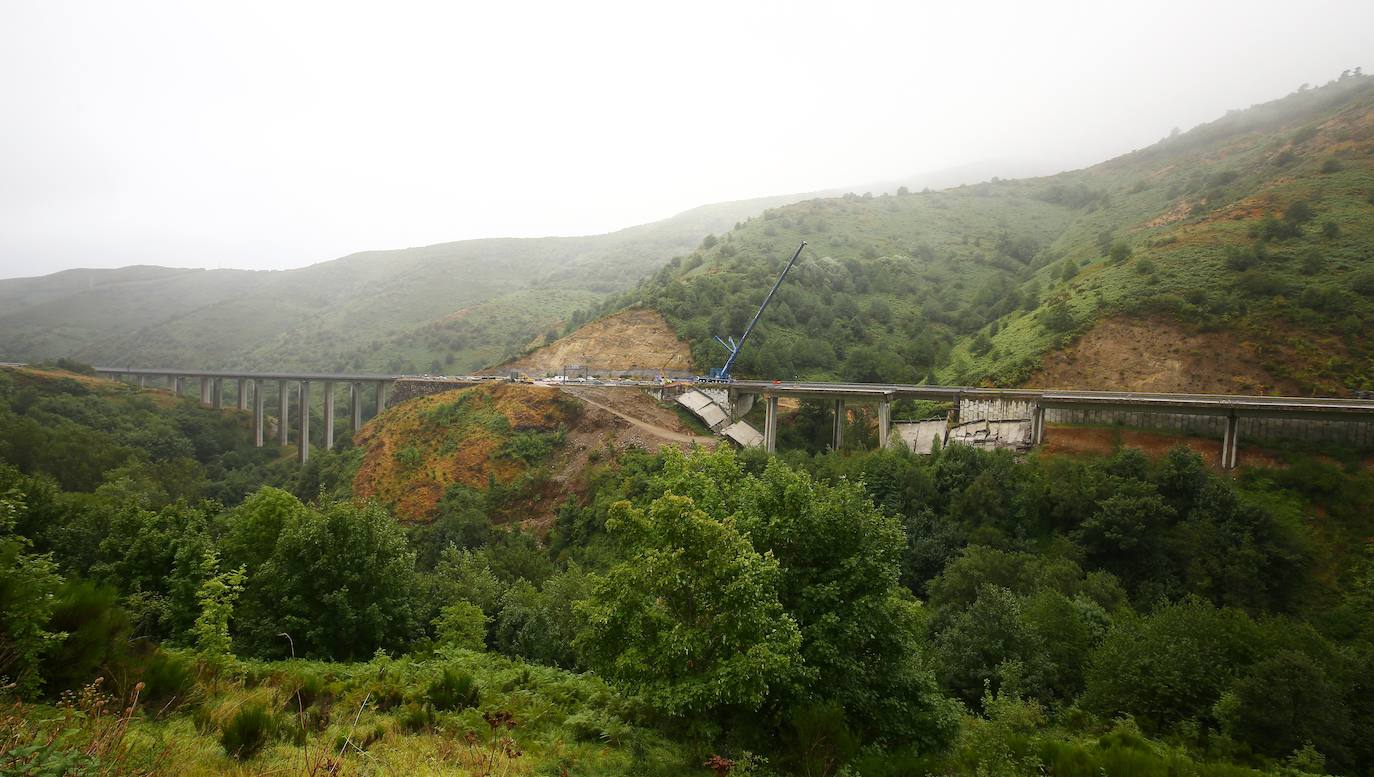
(257, 385)
(736, 398)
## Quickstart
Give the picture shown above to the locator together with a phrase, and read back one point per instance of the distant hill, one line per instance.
(1251, 236)
(453, 306)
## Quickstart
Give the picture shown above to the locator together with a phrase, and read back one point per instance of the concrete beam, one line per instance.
(305, 420)
(837, 439)
(329, 415)
(770, 425)
(283, 413)
(884, 424)
(259, 411)
(242, 397)
(217, 393)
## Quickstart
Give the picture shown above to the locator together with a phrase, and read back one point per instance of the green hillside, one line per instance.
(1259, 226)
(459, 306)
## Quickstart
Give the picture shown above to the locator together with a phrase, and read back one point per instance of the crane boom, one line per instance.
(734, 347)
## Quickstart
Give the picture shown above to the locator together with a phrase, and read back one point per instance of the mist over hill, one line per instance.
(452, 306)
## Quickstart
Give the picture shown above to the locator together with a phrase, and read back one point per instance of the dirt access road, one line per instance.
(640, 411)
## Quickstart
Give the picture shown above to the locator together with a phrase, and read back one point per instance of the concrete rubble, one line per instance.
(921, 436)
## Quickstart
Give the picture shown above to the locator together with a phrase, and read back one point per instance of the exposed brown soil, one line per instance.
(612, 420)
(1080, 440)
(1155, 355)
(641, 411)
(418, 448)
(636, 339)
(32, 376)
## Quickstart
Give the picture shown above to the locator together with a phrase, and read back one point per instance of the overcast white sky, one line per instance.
(278, 134)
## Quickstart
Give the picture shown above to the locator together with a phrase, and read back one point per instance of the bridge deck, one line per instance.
(1200, 404)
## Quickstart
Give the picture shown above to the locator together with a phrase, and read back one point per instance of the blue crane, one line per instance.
(722, 374)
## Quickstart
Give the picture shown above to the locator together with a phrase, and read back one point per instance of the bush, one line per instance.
(453, 690)
(1362, 282)
(169, 681)
(1333, 165)
(97, 633)
(416, 718)
(463, 625)
(251, 728)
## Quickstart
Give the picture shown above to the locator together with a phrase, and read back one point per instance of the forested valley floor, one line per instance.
(173, 600)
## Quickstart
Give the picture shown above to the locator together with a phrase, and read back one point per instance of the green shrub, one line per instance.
(462, 624)
(97, 633)
(251, 728)
(416, 718)
(1362, 282)
(169, 681)
(453, 690)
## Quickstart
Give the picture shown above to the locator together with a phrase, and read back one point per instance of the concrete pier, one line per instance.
(381, 396)
(283, 413)
(259, 411)
(205, 391)
(329, 415)
(1230, 442)
(884, 423)
(176, 385)
(770, 425)
(217, 393)
(837, 439)
(355, 397)
(242, 397)
(304, 406)
(1038, 425)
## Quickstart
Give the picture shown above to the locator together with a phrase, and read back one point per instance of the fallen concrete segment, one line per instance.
(1014, 434)
(920, 436)
(705, 408)
(743, 435)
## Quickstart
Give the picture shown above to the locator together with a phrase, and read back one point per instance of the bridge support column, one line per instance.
(242, 397)
(770, 425)
(258, 412)
(837, 438)
(884, 423)
(1230, 443)
(142, 381)
(381, 396)
(1038, 425)
(329, 415)
(205, 391)
(175, 384)
(217, 393)
(304, 408)
(283, 413)
(355, 399)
